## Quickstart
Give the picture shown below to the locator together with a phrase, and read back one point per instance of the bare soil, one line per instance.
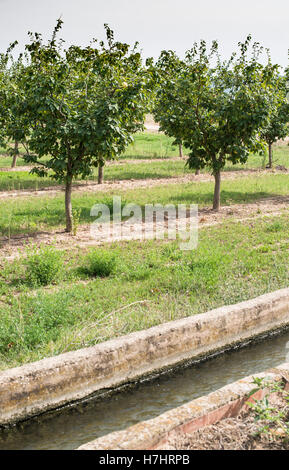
(133, 161)
(17, 168)
(240, 433)
(151, 125)
(12, 247)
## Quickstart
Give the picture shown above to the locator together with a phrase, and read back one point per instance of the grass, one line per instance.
(149, 146)
(145, 146)
(10, 180)
(6, 159)
(152, 282)
(31, 214)
(129, 286)
(165, 169)
(21, 180)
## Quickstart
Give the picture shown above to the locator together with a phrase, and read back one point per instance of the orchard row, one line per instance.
(81, 106)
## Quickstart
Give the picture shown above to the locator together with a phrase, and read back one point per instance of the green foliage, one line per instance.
(76, 213)
(100, 263)
(264, 411)
(84, 105)
(216, 108)
(277, 127)
(168, 106)
(14, 125)
(5, 112)
(43, 265)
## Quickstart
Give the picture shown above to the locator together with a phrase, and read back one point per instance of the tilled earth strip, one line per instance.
(12, 247)
(133, 184)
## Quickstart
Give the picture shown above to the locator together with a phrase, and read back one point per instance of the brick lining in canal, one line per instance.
(54, 382)
(226, 402)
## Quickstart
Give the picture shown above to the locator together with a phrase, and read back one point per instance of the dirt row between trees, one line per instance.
(139, 183)
(13, 247)
(127, 161)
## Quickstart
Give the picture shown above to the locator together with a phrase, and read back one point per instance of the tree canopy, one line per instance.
(277, 127)
(216, 107)
(83, 103)
(5, 90)
(80, 106)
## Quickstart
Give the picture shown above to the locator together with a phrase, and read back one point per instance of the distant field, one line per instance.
(146, 147)
(31, 214)
(16, 180)
(155, 145)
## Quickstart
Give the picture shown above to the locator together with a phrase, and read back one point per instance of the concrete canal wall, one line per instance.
(53, 382)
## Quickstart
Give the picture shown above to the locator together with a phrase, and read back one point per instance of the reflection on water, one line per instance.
(73, 427)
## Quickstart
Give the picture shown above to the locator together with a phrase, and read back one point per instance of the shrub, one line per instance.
(100, 263)
(76, 213)
(44, 265)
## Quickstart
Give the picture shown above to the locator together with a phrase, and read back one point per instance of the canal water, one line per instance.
(75, 426)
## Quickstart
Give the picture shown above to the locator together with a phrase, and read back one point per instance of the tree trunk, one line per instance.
(217, 191)
(15, 155)
(100, 174)
(270, 155)
(181, 150)
(68, 205)
(197, 172)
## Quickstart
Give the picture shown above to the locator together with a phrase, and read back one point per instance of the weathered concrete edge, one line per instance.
(154, 433)
(53, 382)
